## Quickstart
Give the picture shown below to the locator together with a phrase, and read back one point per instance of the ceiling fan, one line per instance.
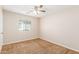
(38, 9)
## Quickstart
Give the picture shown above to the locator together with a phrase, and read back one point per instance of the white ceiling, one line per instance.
(25, 9)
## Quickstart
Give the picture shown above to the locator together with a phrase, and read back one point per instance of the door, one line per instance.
(1, 28)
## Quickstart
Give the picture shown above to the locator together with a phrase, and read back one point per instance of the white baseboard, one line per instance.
(46, 40)
(59, 44)
(19, 41)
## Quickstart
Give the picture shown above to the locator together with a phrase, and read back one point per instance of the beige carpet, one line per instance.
(35, 46)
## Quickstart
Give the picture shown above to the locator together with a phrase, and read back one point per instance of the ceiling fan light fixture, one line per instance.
(38, 10)
(34, 12)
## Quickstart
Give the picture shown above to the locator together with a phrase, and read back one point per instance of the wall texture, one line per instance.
(62, 27)
(11, 33)
(1, 27)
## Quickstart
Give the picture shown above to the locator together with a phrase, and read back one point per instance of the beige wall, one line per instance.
(11, 33)
(1, 27)
(62, 28)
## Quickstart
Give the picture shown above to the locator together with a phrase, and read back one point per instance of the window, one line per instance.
(24, 25)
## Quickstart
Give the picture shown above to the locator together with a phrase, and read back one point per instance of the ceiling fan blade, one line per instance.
(35, 8)
(42, 10)
(41, 6)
